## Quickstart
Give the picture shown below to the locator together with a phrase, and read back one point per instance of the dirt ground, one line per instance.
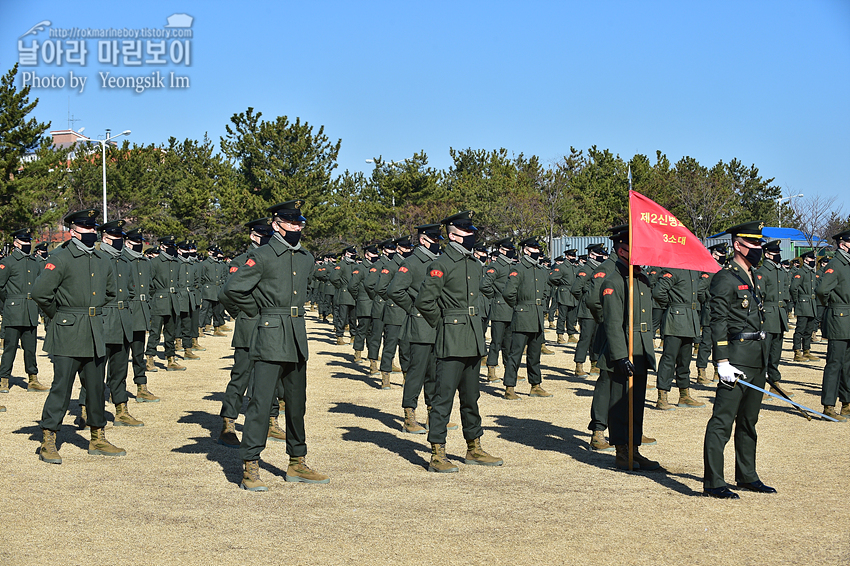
(175, 497)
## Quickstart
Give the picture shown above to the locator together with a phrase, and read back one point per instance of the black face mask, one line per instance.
(117, 244)
(292, 238)
(390, 255)
(777, 258)
(434, 247)
(511, 254)
(171, 250)
(26, 248)
(534, 255)
(89, 239)
(468, 242)
(193, 254)
(136, 247)
(407, 254)
(753, 256)
(811, 264)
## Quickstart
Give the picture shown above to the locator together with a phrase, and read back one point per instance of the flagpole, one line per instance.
(631, 330)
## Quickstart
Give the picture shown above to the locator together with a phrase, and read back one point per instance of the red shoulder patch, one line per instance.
(355, 272)
(796, 277)
(2, 266)
(491, 271)
(250, 262)
(50, 266)
(705, 275)
(513, 274)
(337, 267)
(373, 270)
(743, 287)
(581, 273)
(759, 276)
(234, 269)
(385, 270)
(670, 275)
(599, 275)
(607, 292)
(830, 270)
(556, 269)
(403, 269)
(436, 273)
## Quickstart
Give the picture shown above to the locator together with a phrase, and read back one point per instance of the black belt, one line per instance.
(692, 306)
(536, 302)
(471, 311)
(142, 298)
(749, 336)
(294, 312)
(27, 296)
(91, 311)
(116, 305)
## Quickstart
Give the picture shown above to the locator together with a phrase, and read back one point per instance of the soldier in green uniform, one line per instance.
(165, 304)
(562, 277)
(388, 251)
(501, 313)
(803, 285)
(327, 288)
(718, 252)
(580, 289)
(210, 281)
(18, 272)
(740, 350)
(525, 291)
(187, 295)
(448, 299)
(393, 316)
(833, 292)
(117, 325)
(272, 286)
(75, 284)
(141, 312)
(416, 332)
(363, 309)
(340, 275)
(773, 280)
(680, 293)
(614, 364)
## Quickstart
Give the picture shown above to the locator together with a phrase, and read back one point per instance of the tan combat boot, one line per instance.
(598, 442)
(83, 420)
(645, 463)
(190, 355)
(208, 329)
(808, 356)
(815, 337)
(251, 477)
(491, 373)
(410, 424)
(224, 328)
(845, 410)
(594, 370)
(385, 380)
(662, 402)
(647, 440)
(439, 462)
(34, 384)
(546, 351)
(829, 411)
(341, 341)
(621, 460)
(798, 356)
(2, 409)
(561, 339)
(572, 339)
(702, 379)
(99, 446)
(538, 391)
(510, 394)
(151, 365)
(475, 455)
(143, 395)
(373, 367)
(275, 432)
(685, 400)
(196, 346)
(4, 385)
(299, 471)
(218, 331)
(124, 418)
(580, 370)
(358, 355)
(173, 365)
(227, 436)
(553, 325)
(48, 452)
(395, 368)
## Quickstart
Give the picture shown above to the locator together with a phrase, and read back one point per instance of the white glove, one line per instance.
(728, 373)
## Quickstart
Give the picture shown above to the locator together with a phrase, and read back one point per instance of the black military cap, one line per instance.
(350, 250)
(114, 228)
(560, 258)
(136, 235)
(772, 247)
(42, 247)
(87, 218)
(404, 242)
(289, 210)
(430, 230)
(618, 229)
(480, 249)
(596, 248)
(583, 257)
(845, 236)
(186, 244)
(371, 249)
(719, 248)
(152, 252)
(24, 234)
(571, 251)
(387, 244)
(462, 220)
(530, 243)
(748, 230)
(808, 255)
(785, 263)
(504, 243)
(215, 250)
(167, 241)
(619, 233)
(262, 226)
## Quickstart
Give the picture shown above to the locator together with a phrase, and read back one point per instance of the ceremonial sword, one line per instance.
(757, 388)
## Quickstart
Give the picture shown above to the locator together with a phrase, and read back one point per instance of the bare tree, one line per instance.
(817, 217)
(703, 195)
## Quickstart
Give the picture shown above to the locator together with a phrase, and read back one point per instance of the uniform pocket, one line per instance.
(459, 319)
(841, 312)
(65, 319)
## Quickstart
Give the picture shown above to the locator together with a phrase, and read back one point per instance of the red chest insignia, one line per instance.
(403, 269)
(830, 271)
(50, 266)
(607, 292)
(670, 275)
(599, 275)
(491, 271)
(436, 273)
(513, 274)
(385, 270)
(250, 263)
(743, 287)
(234, 269)
(581, 273)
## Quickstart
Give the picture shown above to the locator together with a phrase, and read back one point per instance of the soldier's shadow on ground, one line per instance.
(356, 372)
(541, 435)
(68, 434)
(407, 449)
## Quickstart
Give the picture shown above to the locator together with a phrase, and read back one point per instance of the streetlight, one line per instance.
(779, 208)
(103, 146)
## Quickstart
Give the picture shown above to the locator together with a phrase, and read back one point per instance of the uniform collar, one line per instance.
(425, 254)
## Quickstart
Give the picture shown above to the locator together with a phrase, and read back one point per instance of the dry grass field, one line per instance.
(175, 497)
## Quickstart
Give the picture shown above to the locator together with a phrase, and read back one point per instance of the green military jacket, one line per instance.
(561, 278)
(803, 286)
(339, 277)
(185, 282)
(525, 291)
(592, 298)
(357, 289)
(735, 309)
(614, 296)
(18, 272)
(679, 291)
(272, 285)
(393, 314)
(326, 286)
(833, 291)
(493, 286)
(164, 271)
(72, 289)
(448, 300)
(210, 278)
(245, 326)
(705, 310)
(141, 273)
(371, 285)
(117, 318)
(774, 281)
(403, 291)
(581, 286)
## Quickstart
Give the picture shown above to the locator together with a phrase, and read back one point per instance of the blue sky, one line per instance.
(767, 82)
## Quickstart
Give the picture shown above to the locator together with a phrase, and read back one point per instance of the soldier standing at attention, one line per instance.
(561, 279)
(187, 296)
(75, 284)
(580, 289)
(363, 309)
(525, 291)
(833, 292)
(272, 286)
(339, 277)
(394, 316)
(165, 307)
(740, 349)
(384, 262)
(803, 285)
(18, 272)
(210, 277)
(448, 300)
(501, 313)
(774, 281)
(141, 312)
(718, 252)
